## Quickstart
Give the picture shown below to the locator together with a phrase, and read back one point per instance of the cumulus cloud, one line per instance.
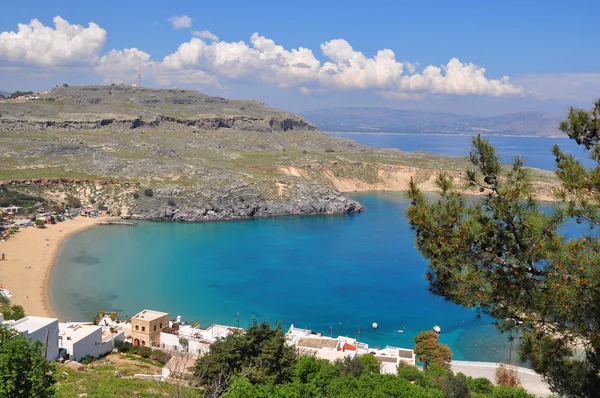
(205, 59)
(180, 21)
(346, 68)
(39, 45)
(119, 66)
(205, 34)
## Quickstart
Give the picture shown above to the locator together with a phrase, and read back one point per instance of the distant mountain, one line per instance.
(364, 119)
(4, 93)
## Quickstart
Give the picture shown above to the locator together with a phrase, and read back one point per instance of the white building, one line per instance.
(81, 340)
(44, 330)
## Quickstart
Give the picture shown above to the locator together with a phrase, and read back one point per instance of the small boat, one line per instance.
(437, 329)
(374, 325)
(400, 330)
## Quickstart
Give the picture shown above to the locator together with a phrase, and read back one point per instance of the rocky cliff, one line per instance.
(179, 155)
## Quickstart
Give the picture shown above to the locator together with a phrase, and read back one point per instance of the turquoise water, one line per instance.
(329, 274)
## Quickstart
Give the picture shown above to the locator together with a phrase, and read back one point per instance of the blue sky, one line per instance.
(433, 55)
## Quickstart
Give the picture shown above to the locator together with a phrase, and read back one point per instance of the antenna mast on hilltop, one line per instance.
(140, 79)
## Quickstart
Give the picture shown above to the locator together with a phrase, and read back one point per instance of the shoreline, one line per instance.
(30, 256)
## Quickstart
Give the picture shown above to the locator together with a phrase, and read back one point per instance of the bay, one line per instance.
(329, 274)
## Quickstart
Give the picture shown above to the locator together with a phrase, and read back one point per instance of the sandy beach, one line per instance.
(29, 256)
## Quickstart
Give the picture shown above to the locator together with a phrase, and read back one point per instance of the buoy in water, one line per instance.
(374, 325)
(437, 329)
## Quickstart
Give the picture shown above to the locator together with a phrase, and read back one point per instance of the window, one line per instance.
(137, 327)
(143, 342)
(143, 328)
(161, 325)
(154, 327)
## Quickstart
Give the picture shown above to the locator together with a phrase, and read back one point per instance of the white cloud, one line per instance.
(123, 66)
(264, 60)
(204, 59)
(39, 45)
(205, 34)
(180, 21)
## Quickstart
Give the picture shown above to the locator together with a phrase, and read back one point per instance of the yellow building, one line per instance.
(146, 327)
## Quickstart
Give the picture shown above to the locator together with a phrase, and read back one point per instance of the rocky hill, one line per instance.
(364, 119)
(171, 154)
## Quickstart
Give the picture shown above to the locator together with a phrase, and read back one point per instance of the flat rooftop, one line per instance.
(150, 315)
(31, 324)
(76, 331)
(317, 342)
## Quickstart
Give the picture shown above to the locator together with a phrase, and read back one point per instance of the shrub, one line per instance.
(143, 351)
(480, 385)
(329, 150)
(148, 192)
(410, 373)
(171, 202)
(455, 386)
(87, 360)
(123, 346)
(73, 201)
(160, 357)
(40, 223)
(136, 195)
(507, 377)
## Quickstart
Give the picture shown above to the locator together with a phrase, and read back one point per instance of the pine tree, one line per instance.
(506, 257)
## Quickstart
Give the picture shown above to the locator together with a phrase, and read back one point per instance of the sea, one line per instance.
(332, 274)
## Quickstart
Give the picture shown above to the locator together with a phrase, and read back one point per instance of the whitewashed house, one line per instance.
(44, 330)
(81, 340)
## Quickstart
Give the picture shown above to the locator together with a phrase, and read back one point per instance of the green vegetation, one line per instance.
(506, 257)
(260, 355)
(24, 372)
(311, 377)
(112, 376)
(149, 192)
(11, 197)
(9, 311)
(429, 351)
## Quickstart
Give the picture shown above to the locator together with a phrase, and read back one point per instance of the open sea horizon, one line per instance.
(331, 274)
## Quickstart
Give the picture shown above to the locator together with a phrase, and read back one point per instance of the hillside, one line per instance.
(171, 154)
(404, 121)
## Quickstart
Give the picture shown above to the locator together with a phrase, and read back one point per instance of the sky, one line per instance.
(481, 57)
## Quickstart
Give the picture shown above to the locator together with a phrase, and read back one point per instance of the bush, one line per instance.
(123, 346)
(160, 357)
(329, 150)
(455, 386)
(507, 377)
(87, 360)
(171, 202)
(143, 351)
(410, 373)
(136, 195)
(73, 202)
(40, 223)
(148, 192)
(480, 385)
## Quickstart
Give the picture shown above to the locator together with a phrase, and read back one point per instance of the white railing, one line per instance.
(494, 365)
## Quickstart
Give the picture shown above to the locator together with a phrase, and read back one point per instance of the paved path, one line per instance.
(531, 381)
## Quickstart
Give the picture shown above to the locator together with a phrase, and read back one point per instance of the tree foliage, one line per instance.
(504, 256)
(316, 378)
(24, 372)
(429, 350)
(260, 354)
